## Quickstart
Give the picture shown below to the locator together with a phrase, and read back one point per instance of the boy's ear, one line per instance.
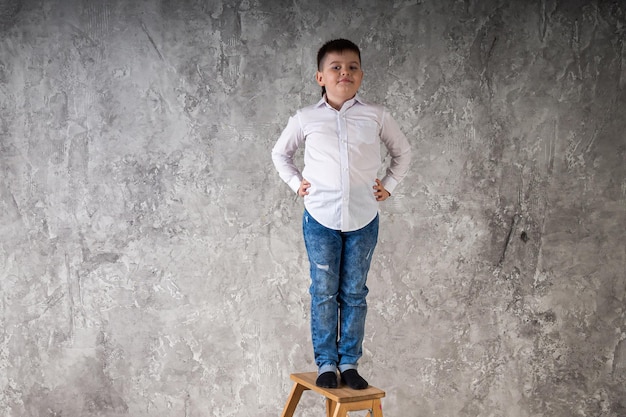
(319, 78)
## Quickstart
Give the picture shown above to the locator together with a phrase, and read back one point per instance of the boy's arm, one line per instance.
(399, 150)
(283, 153)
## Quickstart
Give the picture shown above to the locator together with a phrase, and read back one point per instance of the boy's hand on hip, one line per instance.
(380, 193)
(304, 188)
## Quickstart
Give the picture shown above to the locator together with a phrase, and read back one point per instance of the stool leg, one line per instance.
(294, 398)
(377, 408)
(330, 407)
(340, 410)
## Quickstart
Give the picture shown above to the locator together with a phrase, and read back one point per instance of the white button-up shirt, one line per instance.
(341, 159)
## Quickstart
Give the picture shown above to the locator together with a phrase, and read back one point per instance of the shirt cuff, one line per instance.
(294, 183)
(389, 183)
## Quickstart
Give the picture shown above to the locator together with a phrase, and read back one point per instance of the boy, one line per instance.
(341, 191)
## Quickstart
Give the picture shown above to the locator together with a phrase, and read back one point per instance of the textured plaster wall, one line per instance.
(151, 261)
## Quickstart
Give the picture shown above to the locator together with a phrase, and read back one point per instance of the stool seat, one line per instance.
(339, 400)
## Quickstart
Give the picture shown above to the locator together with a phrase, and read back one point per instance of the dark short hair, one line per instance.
(336, 45)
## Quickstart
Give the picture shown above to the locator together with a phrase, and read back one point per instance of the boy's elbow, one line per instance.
(404, 154)
(279, 158)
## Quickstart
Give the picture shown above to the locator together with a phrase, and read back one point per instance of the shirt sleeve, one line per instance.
(284, 150)
(399, 149)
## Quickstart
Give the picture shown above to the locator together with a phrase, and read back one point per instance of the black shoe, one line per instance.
(327, 380)
(352, 379)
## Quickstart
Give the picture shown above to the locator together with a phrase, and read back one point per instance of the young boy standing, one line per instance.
(341, 135)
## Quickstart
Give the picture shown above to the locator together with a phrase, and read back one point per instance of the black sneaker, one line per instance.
(327, 380)
(352, 379)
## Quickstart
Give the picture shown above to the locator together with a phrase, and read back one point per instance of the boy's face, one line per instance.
(341, 74)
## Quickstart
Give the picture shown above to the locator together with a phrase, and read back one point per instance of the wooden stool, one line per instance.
(339, 400)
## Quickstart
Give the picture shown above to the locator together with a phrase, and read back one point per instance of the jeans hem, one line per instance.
(327, 368)
(345, 367)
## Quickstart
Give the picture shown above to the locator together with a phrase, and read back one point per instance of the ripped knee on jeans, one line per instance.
(322, 267)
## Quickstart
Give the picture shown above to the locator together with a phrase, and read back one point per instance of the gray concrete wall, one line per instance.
(151, 261)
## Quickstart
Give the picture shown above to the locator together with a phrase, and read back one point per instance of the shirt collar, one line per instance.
(356, 99)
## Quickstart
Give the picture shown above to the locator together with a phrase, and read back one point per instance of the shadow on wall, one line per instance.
(8, 11)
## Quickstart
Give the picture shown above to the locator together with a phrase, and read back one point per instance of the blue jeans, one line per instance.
(339, 263)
